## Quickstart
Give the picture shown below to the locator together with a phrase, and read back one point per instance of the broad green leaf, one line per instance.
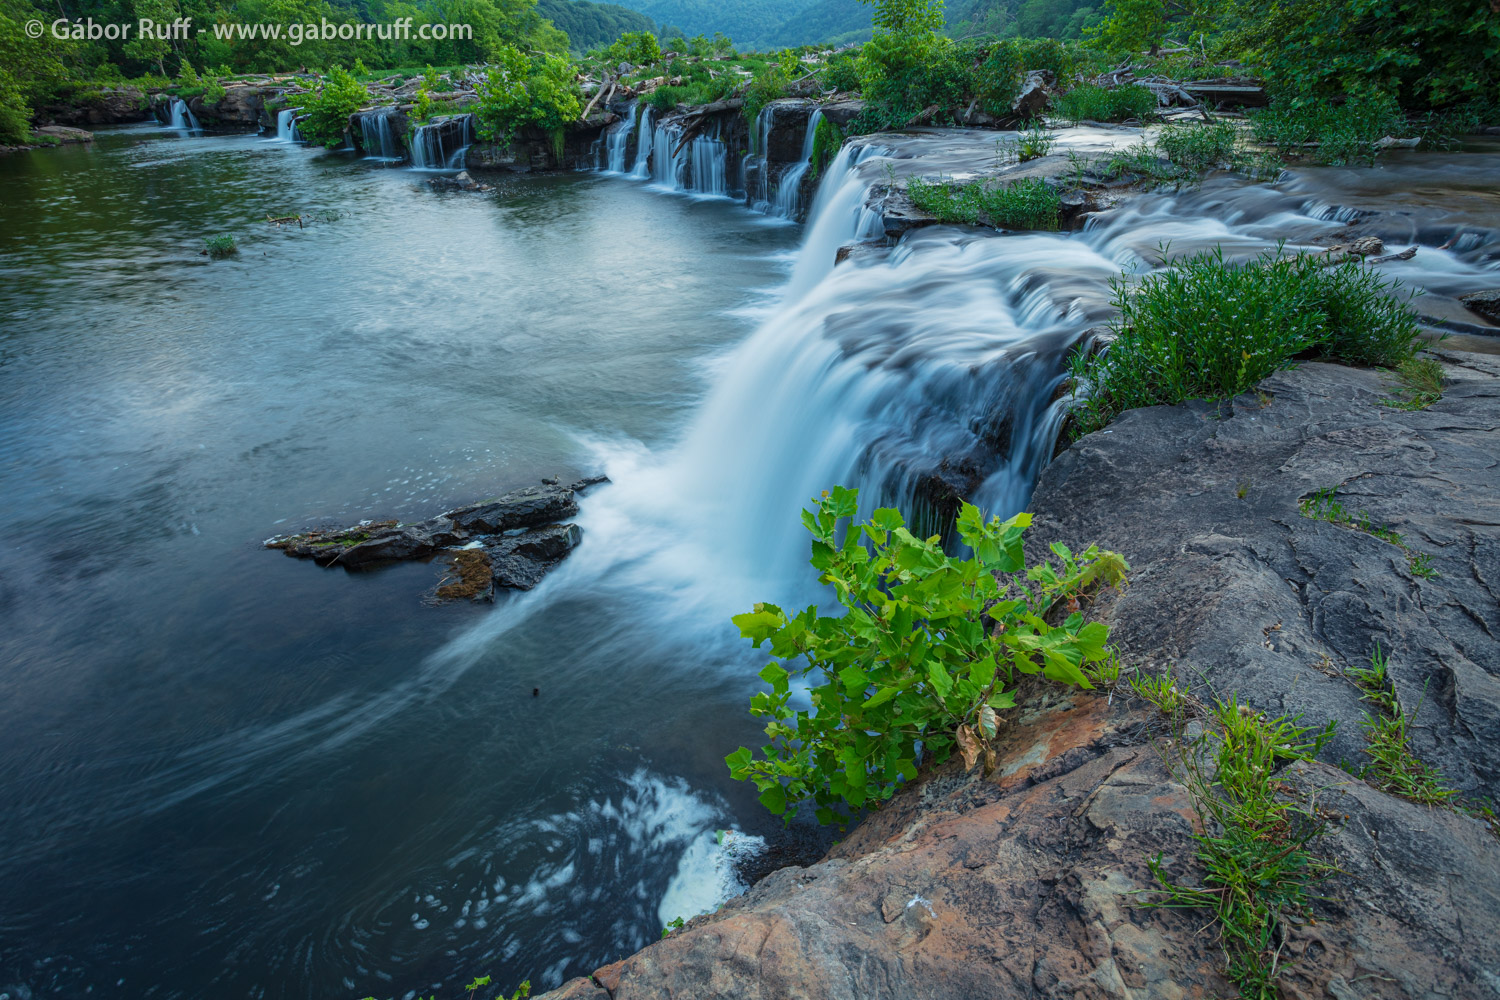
(774, 799)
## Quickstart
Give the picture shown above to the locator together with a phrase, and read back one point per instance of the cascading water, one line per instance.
(441, 145)
(788, 200)
(286, 126)
(182, 116)
(709, 158)
(645, 143)
(379, 138)
(617, 142)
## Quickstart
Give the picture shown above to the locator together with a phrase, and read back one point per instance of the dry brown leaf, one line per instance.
(968, 745)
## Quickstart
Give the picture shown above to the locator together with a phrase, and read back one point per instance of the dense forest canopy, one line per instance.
(592, 25)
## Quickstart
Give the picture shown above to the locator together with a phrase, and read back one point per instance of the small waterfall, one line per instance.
(286, 126)
(669, 158)
(182, 116)
(380, 142)
(455, 159)
(617, 142)
(755, 178)
(788, 201)
(436, 147)
(644, 144)
(709, 175)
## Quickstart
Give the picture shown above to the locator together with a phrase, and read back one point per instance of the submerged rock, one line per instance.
(514, 537)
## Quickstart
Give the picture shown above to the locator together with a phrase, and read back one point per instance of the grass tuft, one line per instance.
(1419, 383)
(1207, 328)
(1393, 767)
(220, 246)
(1113, 104)
(1026, 204)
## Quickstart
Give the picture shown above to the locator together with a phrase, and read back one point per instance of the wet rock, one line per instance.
(104, 107)
(588, 481)
(240, 107)
(407, 541)
(868, 250)
(1036, 93)
(520, 561)
(63, 134)
(460, 182)
(523, 508)
(1486, 303)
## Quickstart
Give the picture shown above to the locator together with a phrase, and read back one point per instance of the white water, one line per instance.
(788, 201)
(644, 143)
(182, 116)
(286, 126)
(380, 141)
(617, 142)
(433, 148)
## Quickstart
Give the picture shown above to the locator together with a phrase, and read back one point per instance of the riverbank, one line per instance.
(1030, 881)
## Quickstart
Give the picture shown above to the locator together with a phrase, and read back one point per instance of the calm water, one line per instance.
(224, 772)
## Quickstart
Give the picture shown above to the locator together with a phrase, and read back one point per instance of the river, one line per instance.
(228, 773)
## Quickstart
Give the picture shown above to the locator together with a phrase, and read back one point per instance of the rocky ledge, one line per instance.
(1028, 883)
(510, 541)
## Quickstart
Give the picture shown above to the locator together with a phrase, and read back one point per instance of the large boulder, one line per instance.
(240, 107)
(111, 106)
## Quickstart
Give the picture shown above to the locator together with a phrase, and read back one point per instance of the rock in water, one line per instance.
(1486, 303)
(1036, 92)
(520, 561)
(523, 508)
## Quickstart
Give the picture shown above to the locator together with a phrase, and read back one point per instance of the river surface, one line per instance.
(226, 773)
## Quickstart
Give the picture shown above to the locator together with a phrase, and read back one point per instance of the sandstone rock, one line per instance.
(1036, 93)
(1486, 303)
(105, 107)
(1245, 593)
(523, 508)
(240, 107)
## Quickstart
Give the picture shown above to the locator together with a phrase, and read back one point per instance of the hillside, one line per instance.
(592, 25)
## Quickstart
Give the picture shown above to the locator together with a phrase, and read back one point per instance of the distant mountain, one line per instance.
(592, 25)
(759, 24)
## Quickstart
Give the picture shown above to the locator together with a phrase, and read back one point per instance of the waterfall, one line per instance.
(617, 142)
(455, 159)
(182, 116)
(434, 147)
(380, 142)
(918, 375)
(286, 126)
(668, 161)
(788, 201)
(709, 176)
(644, 144)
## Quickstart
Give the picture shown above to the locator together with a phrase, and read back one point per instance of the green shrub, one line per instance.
(1209, 329)
(840, 73)
(220, 246)
(15, 113)
(1107, 104)
(997, 79)
(1034, 143)
(766, 86)
(828, 139)
(1197, 147)
(326, 111)
(913, 667)
(213, 91)
(519, 91)
(1344, 133)
(1026, 204)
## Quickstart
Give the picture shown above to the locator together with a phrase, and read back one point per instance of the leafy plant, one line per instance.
(1197, 147)
(828, 139)
(326, 110)
(1335, 133)
(675, 924)
(1113, 104)
(1034, 143)
(1258, 865)
(519, 91)
(220, 246)
(913, 667)
(1026, 204)
(1210, 329)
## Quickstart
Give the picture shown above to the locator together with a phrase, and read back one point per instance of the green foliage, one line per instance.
(1419, 383)
(523, 992)
(1393, 766)
(1258, 865)
(1210, 329)
(1344, 132)
(15, 112)
(220, 246)
(592, 25)
(1026, 204)
(1426, 55)
(1197, 147)
(675, 924)
(1034, 143)
(766, 86)
(828, 139)
(914, 661)
(638, 47)
(213, 91)
(326, 110)
(1113, 104)
(1133, 25)
(519, 91)
(840, 72)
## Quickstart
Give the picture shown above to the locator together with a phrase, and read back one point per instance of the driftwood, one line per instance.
(1406, 254)
(285, 220)
(921, 116)
(609, 84)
